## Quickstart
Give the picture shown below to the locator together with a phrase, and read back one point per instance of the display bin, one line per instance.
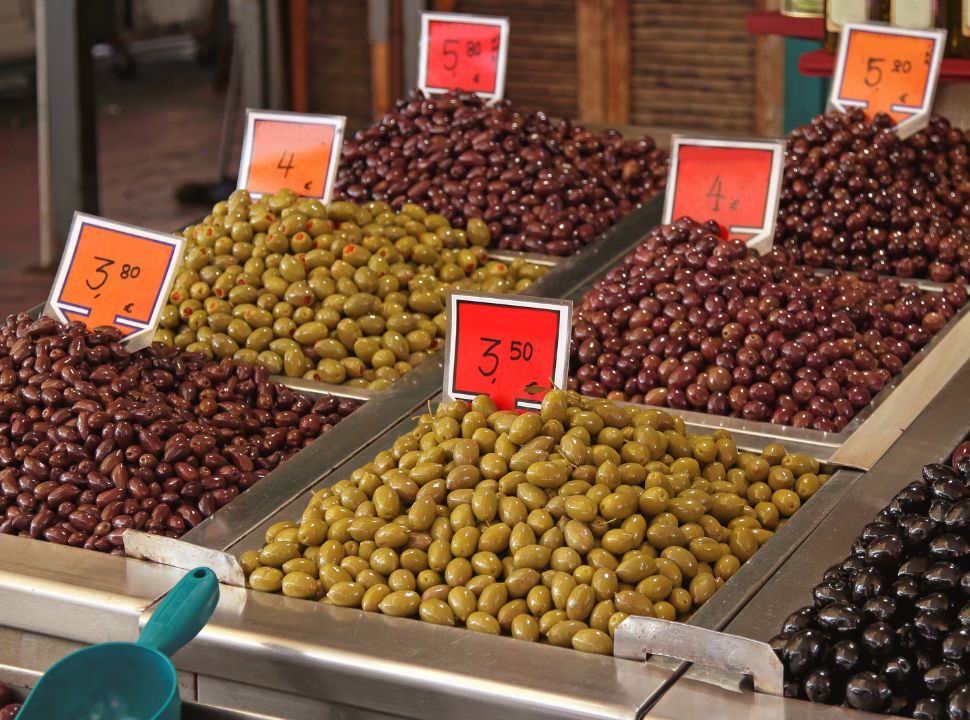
(930, 438)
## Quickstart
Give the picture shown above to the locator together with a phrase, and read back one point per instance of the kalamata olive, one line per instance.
(929, 708)
(942, 678)
(803, 650)
(821, 685)
(958, 703)
(838, 618)
(799, 620)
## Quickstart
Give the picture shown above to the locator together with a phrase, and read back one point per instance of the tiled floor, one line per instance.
(155, 133)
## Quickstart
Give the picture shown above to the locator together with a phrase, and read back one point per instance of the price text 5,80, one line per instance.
(518, 350)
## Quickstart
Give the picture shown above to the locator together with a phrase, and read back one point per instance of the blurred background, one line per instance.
(141, 102)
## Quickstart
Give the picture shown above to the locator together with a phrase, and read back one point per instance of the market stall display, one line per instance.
(887, 630)
(856, 196)
(553, 525)
(540, 185)
(346, 294)
(689, 321)
(97, 440)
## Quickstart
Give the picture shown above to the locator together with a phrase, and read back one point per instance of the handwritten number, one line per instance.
(492, 344)
(872, 67)
(285, 167)
(448, 52)
(103, 270)
(715, 192)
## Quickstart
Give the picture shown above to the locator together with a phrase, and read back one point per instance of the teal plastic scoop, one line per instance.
(128, 681)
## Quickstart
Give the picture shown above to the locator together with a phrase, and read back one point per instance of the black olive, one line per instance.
(898, 705)
(941, 679)
(917, 530)
(950, 547)
(913, 498)
(867, 691)
(821, 686)
(931, 627)
(965, 583)
(958, 516)
(958, 704)
(846, 655)
(886, 551)
(924, 660)
(950, 488)
(934, 602)
(875, 530)
(793, 689)
(777, 643)
(956, 645)
(889, 513)
(907, 636)
(879, 639)
(852, 565)
(938, 510)
(963, 467)
(830, 592)
(898, 671)
(803, 650)
(833, 574)
(928, 708)
(867, 584)
(839, 618)
(906, 590)
(799, 620)
(881, 607)
(963, 617)
(858, 549)
(914, 567)
(939, 471)
(942, 576)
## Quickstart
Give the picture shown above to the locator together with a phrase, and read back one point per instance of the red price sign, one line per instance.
(735, 182)
(500, 346)
(888, 69)
(290, 150)
(115, 274)
(463, 52)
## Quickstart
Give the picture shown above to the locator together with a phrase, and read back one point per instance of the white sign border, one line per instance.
(921, 118)
(563, 307)
(337, 122)
(765, 236)
(143, 337)
(501, 22)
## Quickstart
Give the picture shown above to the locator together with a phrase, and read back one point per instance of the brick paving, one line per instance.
(155, 133)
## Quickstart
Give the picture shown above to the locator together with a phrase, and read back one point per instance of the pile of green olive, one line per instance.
(347, 294)
(554, 525)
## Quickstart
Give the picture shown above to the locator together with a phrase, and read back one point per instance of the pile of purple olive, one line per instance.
(8, 708)
(95, 440)
(889, 627)
(691, 322)
(856, 196)
(540, 185)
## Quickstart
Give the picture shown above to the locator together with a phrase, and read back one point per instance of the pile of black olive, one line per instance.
(889, 628)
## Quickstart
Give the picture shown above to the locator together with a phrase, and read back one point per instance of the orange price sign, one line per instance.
(290, 150)
(506, 347)
(735, 182)
(115, 274)
(463, 52)
(890, 70)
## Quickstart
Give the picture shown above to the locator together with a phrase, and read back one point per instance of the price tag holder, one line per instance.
(291, 150)
(463, 52)
(499, 345)
(115, 274)
(888, 69)
(735, 182)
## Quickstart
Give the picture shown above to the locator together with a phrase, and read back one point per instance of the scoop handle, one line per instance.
(182, 613)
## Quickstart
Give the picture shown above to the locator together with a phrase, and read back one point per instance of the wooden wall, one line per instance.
(692, 64)
(338, 60)
(542, 72)
(684, 64)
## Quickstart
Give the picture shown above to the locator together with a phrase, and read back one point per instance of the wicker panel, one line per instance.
(542, 51)
(339, 50)
(692, 64)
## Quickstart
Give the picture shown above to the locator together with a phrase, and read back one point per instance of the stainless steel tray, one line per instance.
(930, 438)
(861, 443)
